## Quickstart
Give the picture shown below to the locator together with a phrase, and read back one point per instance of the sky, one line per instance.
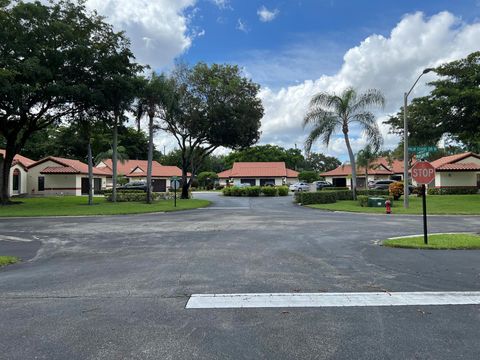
(297, 48)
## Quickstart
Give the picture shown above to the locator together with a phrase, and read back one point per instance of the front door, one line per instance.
(85, 186)
(16, 185)
(159, 185)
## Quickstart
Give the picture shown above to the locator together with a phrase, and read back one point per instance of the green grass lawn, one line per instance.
(437, 241)
(436, 204)
(77, 205)
(7, 260)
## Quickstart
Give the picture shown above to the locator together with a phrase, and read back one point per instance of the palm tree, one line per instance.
(329, 113)
(150, 103)
(366, 158)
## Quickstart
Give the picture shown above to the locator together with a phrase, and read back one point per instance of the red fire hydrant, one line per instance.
(388, 207)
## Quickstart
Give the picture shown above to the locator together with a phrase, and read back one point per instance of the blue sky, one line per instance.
(304, 47)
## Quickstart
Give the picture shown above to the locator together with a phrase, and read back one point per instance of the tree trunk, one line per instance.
(352, 163)
(366, 176)
(150, 159)
(185, 185)
(90, 172)
(5, 165)
(114, 159)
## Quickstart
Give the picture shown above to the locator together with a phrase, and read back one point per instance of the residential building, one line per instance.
(461, 170)
(60, 176)
(137, 170)
(258, 174)
(18, 174)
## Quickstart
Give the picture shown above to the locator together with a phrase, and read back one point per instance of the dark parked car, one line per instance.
(323, 184)
(134, 185)
(384, 184)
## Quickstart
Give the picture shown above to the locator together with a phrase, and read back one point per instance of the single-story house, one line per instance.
(60, 176)
(258, 174)
(342, 175)
(137, 170)
(460, 170)
(18, 174)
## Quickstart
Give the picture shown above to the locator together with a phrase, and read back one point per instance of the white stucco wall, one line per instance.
(278, 180)
(23, 181)
(455, 178)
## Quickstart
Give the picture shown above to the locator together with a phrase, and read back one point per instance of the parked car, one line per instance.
(384, 184)
(300, 186)
(323, 184)
(134, 185)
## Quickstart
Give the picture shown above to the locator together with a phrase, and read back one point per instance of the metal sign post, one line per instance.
(176, 184)
(423, 173)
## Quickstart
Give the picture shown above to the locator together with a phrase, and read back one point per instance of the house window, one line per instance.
(16, 180)
(251, 182)
(41, 183)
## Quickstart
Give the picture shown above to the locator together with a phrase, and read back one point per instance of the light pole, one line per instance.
(405, 139)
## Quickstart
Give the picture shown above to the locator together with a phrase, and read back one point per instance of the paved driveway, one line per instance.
(116, 287)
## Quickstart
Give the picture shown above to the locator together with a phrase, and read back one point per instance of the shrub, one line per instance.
(269, 191)
(319, 197)
(453, 190)
(341, 194)
(337, 188)
(363, 200)
(396, 189)
(372, 192)
(219, 187)
(283, 191)
(227, 191)
(252, 191)
(136, 196)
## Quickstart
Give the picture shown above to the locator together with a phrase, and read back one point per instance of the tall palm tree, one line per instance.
(150, 103)
(329, 113)
(366, 158)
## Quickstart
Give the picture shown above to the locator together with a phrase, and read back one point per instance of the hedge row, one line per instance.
(137, 196)
(319, 197)
(254, 191)
(457, 190)
(372, 192)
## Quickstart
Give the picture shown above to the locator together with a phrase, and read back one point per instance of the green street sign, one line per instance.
(422, 149)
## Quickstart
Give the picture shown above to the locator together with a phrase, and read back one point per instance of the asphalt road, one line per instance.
(116, 287)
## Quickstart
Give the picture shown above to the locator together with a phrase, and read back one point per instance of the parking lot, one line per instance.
(116, 287)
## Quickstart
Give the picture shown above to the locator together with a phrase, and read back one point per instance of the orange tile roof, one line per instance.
(158, 170)
(459, 167)
(67, 166)
(19, 159)
(258, 169)
(346, 170)
(125, 167)
(452, 159)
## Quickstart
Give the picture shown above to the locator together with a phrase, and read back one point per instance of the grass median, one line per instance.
(77, 206)
(8, 260)
(436, 204)
(437, 241)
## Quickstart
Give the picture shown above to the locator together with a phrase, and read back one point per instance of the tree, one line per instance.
(207, 179)
(320, 162)
(330, 112)
(49, 55)
(308, 176)
(208, 107)
(366, 158)
(451, 110)
(150, 102)
(293, 158)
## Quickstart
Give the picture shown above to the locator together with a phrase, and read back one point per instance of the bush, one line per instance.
(337, 188)
(253, 191)
(219, 187)
(283, 191)
(396, 189)
(269, 191)
(341, 194)
(136, 196)
(319, 197)
(372, 192)
(453, 190)
(363, 200)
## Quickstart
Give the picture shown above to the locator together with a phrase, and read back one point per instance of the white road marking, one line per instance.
(284, 300)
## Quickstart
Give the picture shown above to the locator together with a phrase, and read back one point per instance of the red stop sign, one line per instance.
(423, 172)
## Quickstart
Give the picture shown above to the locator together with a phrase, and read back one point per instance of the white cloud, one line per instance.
(390, 64)
(222, 4)
(242, 26)
(266, 15)
(158, 29)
